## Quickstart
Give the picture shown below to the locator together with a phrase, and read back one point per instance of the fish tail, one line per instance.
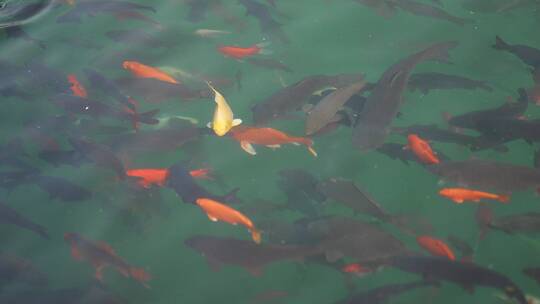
(262, 48)
(256, 235)
(140, 275)
(500, 44)
(504, 198)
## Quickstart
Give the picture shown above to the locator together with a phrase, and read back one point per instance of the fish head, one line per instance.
(128, 65)
(221, 127)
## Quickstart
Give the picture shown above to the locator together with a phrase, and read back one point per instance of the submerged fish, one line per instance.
(223, 119)
(100, 154)
(101, 255)
(527, 54)
(488, 175)
(302, 192)
(12, 216)
(16, 270)
(422, 9)
(422, 149)
(145, 71)
(533, 272)
(463, 247)
(426, 82)
(460, 195)
(267, 23)
(467, 275)
(153, 90)
(238, 52)
(95, 7)
(60, 188)
(385, 100)
(435, 247)
(269, 64)
(245, 254)
(517, 223)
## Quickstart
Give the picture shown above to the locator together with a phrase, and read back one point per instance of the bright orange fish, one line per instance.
(422, 149)
(460, 195)
(76, 87)
(217, 211)
(355, 268)
(101, 255)
(144, 71)
(158, 177)
(435, 247)
(269, 137)
(242, 52)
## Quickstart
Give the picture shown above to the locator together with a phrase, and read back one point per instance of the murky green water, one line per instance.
(325, 37)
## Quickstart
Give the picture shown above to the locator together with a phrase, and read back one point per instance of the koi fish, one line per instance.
(76, 87)
(269, 137)
(144, 71)
(217, 211)
(422, 149)
(223, 119)
(435, 247)
(100, 255)
(158, 177)
(208, 33)
(238, 52)
(459, 195)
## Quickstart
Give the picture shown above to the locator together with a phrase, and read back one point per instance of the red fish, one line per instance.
(158, 177)
(460, 195)
(356, 269)
(76, 87)
(101, 255)
(144, 71)
(237, 52)
(422, 149)
(269, 137)
(436, 247)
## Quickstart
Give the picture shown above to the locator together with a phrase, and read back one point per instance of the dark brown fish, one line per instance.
(533, 272)
(12, 216)
(525, 223)
(15, 269)
(383, 8)
(426, 82)
(96, 7)
(269, 64)
(267, 23)
(293, 97)
(325, 111)
(16, 32)
(302, 192)
(61, 188)
(527, 54)
(488, 175)
(100, 154)
(347, 193)
(385, 100)
(421, 9)
(137, 38)
(467, 275)
(245, 254)
(483, 216)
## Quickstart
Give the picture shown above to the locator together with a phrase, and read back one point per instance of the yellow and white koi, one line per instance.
(223, 119)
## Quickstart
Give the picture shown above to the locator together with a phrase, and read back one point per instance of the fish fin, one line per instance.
(209, 125)
(246, 146)
(256, 235)
(273, 146)
(99, 272)
(212, 218)
(458, 200)
(500, 44)
(76, 253)
(312, 151)
(295, 143)
(504, 198)
(307, 108)
(236, 122)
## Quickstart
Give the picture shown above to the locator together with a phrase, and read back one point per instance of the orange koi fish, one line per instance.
(100, 255)
(460, 195)
(217, 211)
(76, 87)
(269, 137)
(158, 177)
(422, 149)
(435, 247)
(144, 71)
(356, 269)
(237, 52)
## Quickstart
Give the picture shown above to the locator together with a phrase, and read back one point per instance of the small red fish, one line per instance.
(269, 137)
(145, 71)
(422, 149)
(76, 87)
(436, 247)
(356, 269)
(460, 195)
(237, 52)
(101, 255)
(158, 177)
